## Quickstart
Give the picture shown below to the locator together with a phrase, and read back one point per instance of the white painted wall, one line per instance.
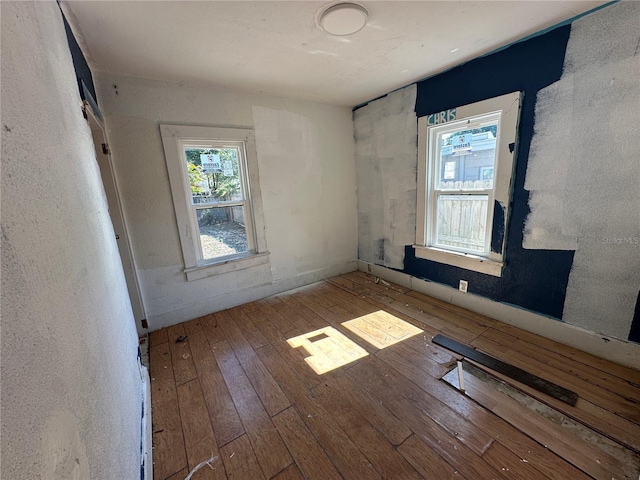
(386, 132)
(307, 177)
(71, 388)
(584, 170)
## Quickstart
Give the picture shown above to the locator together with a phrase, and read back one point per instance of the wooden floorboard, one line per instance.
(232, 386)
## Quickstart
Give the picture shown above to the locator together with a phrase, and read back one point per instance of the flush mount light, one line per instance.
(343, 19)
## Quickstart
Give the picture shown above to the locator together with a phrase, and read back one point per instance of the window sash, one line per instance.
(432, 234)
(244, 202)
(434, 169)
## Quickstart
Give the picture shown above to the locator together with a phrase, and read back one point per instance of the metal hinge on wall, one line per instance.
(105, 149)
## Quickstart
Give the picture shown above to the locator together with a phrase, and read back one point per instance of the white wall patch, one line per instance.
(583, 172)
(386, 162)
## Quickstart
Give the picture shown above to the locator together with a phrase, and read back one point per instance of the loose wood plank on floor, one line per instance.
(557, 360)
(588, 391)
(548, 463)
(511, 371)
(583, 455)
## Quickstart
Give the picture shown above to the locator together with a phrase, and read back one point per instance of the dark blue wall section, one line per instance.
(532, 279)
(634, 333)
(83, 73)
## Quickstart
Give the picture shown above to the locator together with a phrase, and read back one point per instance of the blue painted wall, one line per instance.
(83, 73)
(533, 279)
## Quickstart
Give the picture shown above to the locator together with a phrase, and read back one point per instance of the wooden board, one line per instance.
(522, 376)
(199, 441)
(265, 440)
(166, 426)
(308, 455)
(222, 411)
(240, 461)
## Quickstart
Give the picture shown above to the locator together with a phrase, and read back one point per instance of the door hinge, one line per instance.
(105, 149)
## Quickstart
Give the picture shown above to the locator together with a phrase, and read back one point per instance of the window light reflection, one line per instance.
(381, 329)
(328, 349)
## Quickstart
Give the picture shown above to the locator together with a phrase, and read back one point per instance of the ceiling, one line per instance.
(276, 48)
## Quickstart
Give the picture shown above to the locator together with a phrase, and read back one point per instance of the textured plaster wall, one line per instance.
(307, 178)
(584, 170)
(386, 132)
(71, 389)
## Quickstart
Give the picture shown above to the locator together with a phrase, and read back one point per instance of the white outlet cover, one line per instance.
(463, 286)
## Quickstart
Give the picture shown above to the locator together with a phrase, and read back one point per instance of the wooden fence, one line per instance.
(462, 221)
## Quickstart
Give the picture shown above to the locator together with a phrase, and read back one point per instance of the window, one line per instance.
(213, 176)
(465, 167)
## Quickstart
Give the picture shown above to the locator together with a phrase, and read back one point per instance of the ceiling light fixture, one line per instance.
(343, 19)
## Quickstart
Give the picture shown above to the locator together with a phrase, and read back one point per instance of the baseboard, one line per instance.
(609, 348)
(239, 297)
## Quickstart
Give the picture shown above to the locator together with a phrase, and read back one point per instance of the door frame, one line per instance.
(103, 158)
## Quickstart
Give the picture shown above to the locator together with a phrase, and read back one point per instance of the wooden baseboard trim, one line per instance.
(609, 348)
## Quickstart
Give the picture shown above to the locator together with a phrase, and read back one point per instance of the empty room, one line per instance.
(320, 240)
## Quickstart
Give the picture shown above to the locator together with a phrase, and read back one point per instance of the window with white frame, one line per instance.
(465, 167)
(214, 194)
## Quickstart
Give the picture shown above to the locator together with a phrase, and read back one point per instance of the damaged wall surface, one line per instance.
(307, 178)
(71, 386)
(577, 258)
(386, 161)
(584, 170)
(533, 279)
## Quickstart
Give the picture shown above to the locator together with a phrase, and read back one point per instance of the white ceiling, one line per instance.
(276, 47)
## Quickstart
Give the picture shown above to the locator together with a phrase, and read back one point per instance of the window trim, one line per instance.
(174, 138)
(493, 262)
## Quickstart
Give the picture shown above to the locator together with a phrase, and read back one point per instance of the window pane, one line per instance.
(222, 231)
(214, 174)
(465, 159)
(461, 221)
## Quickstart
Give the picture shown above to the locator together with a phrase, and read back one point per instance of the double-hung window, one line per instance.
(214, 194)
(466, 159)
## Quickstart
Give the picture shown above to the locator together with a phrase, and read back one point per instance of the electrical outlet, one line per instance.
(463, 286)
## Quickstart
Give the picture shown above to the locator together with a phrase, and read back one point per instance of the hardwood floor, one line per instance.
(340, 380)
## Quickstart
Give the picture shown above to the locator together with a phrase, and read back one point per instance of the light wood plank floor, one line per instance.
(340, 380)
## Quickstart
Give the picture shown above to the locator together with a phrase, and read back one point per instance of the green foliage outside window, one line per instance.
(222, 187)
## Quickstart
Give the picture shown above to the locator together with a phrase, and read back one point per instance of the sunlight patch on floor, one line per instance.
(381, 329)
(328, 349)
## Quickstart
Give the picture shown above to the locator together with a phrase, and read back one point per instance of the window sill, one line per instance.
(462, 260)
(227, 266)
